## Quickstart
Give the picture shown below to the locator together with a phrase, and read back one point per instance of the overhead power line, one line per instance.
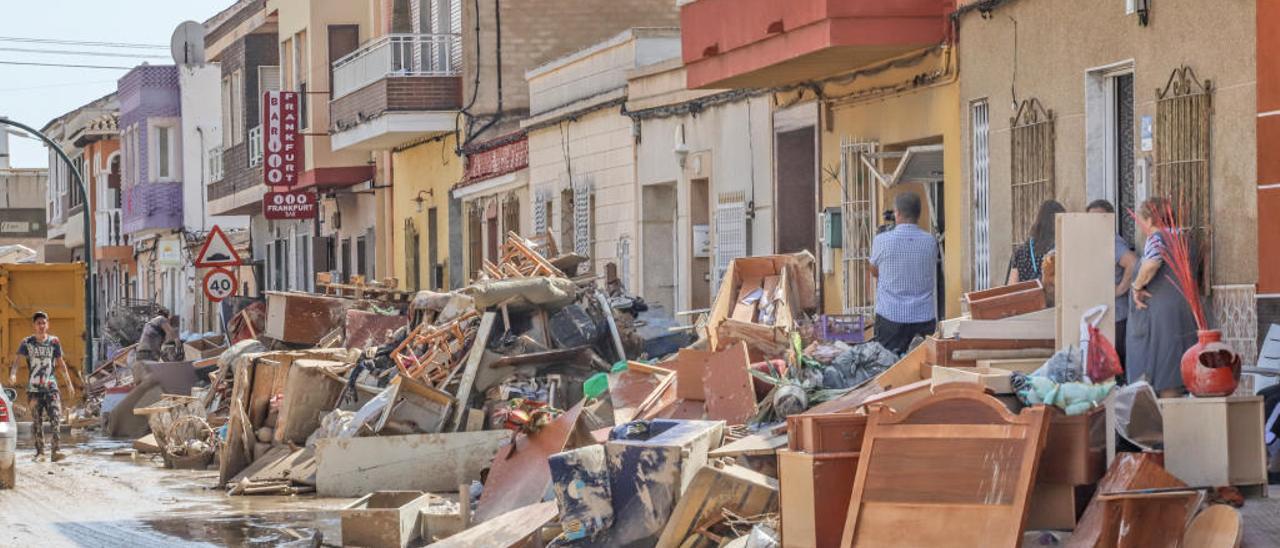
(81, 43)
(88, 53)
(63, 65)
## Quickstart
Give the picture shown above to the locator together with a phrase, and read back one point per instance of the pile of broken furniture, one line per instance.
(512, 413)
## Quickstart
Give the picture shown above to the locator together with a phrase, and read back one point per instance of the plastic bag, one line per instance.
(1101, 360)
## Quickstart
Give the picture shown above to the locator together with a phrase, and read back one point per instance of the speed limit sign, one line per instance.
(219, 284)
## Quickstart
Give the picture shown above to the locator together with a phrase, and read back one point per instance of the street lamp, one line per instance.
(90, 324)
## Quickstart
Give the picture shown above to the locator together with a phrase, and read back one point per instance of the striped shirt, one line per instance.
(907, 258)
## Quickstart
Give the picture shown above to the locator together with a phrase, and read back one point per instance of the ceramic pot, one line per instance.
(1210, 368)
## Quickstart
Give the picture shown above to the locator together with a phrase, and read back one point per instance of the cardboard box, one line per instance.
(794, 293)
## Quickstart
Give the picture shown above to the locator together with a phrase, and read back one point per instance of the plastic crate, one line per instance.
(847, 328)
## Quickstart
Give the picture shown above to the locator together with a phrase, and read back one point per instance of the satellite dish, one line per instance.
(187, 44)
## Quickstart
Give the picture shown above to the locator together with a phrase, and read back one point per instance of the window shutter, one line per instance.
(582, 220)
(731, 231)
(540, 213)
(981, 175)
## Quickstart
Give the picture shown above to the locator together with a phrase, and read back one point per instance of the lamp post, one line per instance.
(90, 324)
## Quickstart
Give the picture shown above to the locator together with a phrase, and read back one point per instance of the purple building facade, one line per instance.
(151, 147)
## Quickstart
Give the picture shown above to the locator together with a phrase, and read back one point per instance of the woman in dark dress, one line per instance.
(1028, 257)
(1161, 325)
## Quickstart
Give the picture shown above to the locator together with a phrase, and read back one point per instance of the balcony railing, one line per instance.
(255, 145)
(108, 232)
(397, 55)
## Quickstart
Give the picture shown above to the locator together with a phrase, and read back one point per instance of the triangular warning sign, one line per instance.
(217, 250)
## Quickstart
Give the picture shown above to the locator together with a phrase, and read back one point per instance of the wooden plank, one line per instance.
(712, 490)
(814, 497)
(908, 369)
(690, 365)
(998, 381)
(726, 382)
(510, 529)
(958, 456)
(1038, 325)
(902, 397)
(352, 467)
(1084, 275)
(1025, 366)
(469, 370)
(753, 445)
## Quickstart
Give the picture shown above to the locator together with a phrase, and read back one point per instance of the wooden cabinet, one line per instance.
(1212, 442)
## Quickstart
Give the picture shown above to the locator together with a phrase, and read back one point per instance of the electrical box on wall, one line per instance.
(833, 227)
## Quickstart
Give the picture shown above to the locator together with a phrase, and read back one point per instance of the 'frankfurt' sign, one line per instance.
(293, 204)
(281, 142)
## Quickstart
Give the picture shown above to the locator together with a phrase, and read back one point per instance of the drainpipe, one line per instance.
(89, 323)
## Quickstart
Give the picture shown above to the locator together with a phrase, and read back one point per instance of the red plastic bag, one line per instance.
(1102, 362)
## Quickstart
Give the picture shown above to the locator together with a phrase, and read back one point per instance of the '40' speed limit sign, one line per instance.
(219, 284)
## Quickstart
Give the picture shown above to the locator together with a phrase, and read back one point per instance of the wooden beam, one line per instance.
(1084, 274)
(469, 373)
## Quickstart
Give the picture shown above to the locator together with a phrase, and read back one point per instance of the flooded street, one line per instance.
(102, 496)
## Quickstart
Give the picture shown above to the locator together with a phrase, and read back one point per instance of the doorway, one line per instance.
(658, 230)
(700, 257)
(1111, 154)
(797, 191)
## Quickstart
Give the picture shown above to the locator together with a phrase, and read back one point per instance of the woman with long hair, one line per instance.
(1027, 258)
(1161, 324)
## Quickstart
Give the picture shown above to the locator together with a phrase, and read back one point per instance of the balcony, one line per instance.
(240, 190)
(152, 206)
(396, 89)
(765, 43)
(111, 242)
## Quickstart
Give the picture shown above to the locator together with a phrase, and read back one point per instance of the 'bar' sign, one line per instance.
(281, 143)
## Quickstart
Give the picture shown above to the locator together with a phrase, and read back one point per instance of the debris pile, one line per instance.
(528, 409)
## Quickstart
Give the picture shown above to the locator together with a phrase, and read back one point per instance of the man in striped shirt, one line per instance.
(905, 262)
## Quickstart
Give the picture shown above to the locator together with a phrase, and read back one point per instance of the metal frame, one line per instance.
(980, 175)
(1184, 111)
(1031, 164)
(859, 215)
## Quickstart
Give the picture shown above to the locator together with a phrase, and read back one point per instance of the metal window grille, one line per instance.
(1032, 164)
(980, 128)
(567, 221)
(541, 211)
(731, 231)
(858, 214)
(584, 220)
(1183, 111)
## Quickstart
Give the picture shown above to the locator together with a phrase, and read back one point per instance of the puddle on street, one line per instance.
(278, 529)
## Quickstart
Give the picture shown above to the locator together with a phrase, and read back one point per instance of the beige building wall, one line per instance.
(1046, 50)
(598, 150)
(725, 150)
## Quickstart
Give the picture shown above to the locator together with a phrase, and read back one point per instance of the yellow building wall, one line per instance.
(432, 168)
(913, 115)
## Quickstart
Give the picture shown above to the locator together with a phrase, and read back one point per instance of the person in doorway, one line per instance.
(1161, 325)
(42, 351)
(155, 333)
(904, 261)
(1028, 258)
(1126, 266)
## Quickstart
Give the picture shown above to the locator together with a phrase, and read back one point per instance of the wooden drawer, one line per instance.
(826, 433)
(1002, 302)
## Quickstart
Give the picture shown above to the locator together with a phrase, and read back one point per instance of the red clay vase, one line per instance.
(1210, 369)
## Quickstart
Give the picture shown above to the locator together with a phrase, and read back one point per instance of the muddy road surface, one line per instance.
(101, 497)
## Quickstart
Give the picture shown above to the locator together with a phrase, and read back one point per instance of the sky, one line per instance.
(35, 95)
